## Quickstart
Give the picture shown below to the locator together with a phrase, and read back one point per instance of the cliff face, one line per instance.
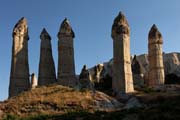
(140, 67)
(172, 63)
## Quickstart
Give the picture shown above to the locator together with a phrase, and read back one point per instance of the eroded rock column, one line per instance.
(34, 81)
(47, 74)
(85, 78)
(137, 73)
(155, 57)
(19, 76)
(122, 74)
(66, 66)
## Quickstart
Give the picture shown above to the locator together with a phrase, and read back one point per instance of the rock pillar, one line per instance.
(66, 66)
(137, 73)
(155, 57)
(122, 81)
(85, 78)
(19, 76)
(33, 81)
(47, 74)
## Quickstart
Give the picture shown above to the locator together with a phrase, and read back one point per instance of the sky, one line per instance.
(91, 21)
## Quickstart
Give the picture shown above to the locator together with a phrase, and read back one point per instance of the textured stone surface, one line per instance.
(47, 74)
(33, 81)
(19, 76)
(85, 78)
(66, 66)
(137, 72)
(171, 66)
(122, 81)
(172, 63)
(132, 103)
(155, 57)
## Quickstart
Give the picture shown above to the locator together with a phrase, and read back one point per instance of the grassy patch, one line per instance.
(148, 90)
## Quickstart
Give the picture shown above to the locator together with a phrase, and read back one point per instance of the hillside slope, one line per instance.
(56, 102)
(57, 99)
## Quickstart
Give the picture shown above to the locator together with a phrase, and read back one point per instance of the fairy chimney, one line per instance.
(122, 81)
(19, 76)
(66, 65)
(47, 74)
(155, 57)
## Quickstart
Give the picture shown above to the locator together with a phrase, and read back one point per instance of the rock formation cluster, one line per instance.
(120, 68)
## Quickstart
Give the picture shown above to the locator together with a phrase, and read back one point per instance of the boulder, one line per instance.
(132, 103)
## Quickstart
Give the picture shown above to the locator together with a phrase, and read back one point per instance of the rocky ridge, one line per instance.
(139, 69)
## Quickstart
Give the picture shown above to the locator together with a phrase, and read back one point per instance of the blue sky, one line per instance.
(91, 21)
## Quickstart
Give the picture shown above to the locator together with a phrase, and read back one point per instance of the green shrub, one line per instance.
(11, 117)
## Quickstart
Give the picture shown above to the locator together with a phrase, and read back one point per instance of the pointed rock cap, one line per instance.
(120, 25)
(45, 35)
(84, 67)
(21, 26)
(65, 28)
(22, 21)
(121, 19)
(154, 35)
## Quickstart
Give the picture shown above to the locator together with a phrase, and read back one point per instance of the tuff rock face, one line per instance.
(171, 63)
(85, 78)
(66, 64)
(19, 76)
(47, 74)
(137, 72)
(122, 80)
(34, 81)
(120, 25)
(66, 29)
(155, 58)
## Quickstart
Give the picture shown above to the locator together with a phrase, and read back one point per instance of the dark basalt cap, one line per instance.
(120, 25)
(66, 29)
(45, 35)
(154, 35)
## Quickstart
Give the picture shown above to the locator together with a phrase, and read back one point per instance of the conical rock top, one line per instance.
(45, 35)
(155, 35)
(121, 19)
(120, 25)
(21, 27)
(66, 29)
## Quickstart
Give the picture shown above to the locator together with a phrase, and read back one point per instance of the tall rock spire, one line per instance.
(47, 74)
(19, 76)
(122, 74)
(66, 65)
(155, 57)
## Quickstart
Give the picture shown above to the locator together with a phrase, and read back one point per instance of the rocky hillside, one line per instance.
(57, 99)
(101, 74)
(56, 102)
